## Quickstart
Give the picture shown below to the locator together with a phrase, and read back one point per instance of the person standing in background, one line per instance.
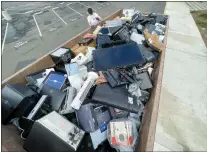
(93, 18)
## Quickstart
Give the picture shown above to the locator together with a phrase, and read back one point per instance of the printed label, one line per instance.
(121, 133)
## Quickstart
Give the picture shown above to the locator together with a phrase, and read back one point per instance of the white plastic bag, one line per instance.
(122, 134)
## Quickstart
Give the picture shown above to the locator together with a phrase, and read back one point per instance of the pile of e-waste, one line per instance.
(93, 98)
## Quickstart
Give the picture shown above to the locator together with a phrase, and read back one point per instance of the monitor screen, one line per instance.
(119, 56)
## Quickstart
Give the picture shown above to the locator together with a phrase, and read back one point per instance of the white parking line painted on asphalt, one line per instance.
(46, 7)
(2, 48)
(27, 12)
(72, 3)
(37, 23)
(73, 20)
(85, 5)
(74, 10)
(58, 15)
(10, 8)
(100, 4)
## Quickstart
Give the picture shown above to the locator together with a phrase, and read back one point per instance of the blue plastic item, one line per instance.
(55, 80)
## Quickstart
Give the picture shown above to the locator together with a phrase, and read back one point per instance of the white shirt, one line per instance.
(92, 19)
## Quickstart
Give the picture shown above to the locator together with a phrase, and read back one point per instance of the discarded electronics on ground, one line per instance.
(94, 97)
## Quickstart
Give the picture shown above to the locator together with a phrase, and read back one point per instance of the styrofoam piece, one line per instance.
(80, 97)
(83, 71)
(76, 75)
(80, 59)
(76, 81)
(128, 12)
(89, 53)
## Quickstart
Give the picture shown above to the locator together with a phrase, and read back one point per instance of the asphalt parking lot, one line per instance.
(38, 27)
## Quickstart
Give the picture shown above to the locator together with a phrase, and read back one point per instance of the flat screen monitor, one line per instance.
(118, 56)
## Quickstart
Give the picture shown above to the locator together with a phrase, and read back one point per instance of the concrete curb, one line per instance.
(182, 109)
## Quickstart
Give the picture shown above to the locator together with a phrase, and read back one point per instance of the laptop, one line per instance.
(114, 97)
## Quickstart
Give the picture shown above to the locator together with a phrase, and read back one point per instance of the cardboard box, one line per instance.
(80, 49)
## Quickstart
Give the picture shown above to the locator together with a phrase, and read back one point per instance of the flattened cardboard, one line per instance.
(81, 49)
(153, 41)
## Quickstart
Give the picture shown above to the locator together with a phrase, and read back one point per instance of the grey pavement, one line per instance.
(24, 44)
(197, 6)
(182, 118)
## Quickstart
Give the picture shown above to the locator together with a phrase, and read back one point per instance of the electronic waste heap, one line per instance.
(94, 97)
